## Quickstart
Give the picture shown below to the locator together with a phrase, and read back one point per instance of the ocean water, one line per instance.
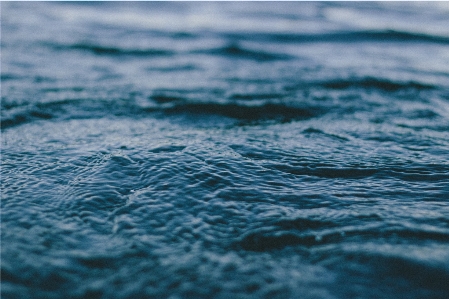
(224, 150)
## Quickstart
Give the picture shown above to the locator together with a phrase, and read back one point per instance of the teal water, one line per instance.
(224, 150)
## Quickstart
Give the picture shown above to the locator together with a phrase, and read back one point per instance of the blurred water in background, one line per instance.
(225, 149)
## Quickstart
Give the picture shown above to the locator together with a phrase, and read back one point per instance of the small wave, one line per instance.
(308, 233)
(234, 50)
(167, 149)
(7, 76)
(63, 89)
(411, 174)
(257, 96)
(23, 117)
(162, 99)
(343, 37)
(425, 173)
(375, 83)
(111, 51)
(313, 131)
(423, 114)
(15, 120)
(330, 172)
(175, 68)
(267, 242)
(19, 114)
(398, 36)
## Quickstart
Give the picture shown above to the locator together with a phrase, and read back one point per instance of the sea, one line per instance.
(225, 150)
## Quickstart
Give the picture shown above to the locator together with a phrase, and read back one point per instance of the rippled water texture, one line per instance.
(224, 150)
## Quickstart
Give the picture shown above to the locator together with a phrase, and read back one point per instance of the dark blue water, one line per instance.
(224, 150)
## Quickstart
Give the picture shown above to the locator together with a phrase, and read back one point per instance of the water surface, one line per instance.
(224, 150)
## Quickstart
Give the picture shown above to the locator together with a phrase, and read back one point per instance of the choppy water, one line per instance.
(225, 150)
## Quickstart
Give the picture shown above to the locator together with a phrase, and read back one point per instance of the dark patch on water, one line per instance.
(163, 99)
(376, 83)
(280, 113)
